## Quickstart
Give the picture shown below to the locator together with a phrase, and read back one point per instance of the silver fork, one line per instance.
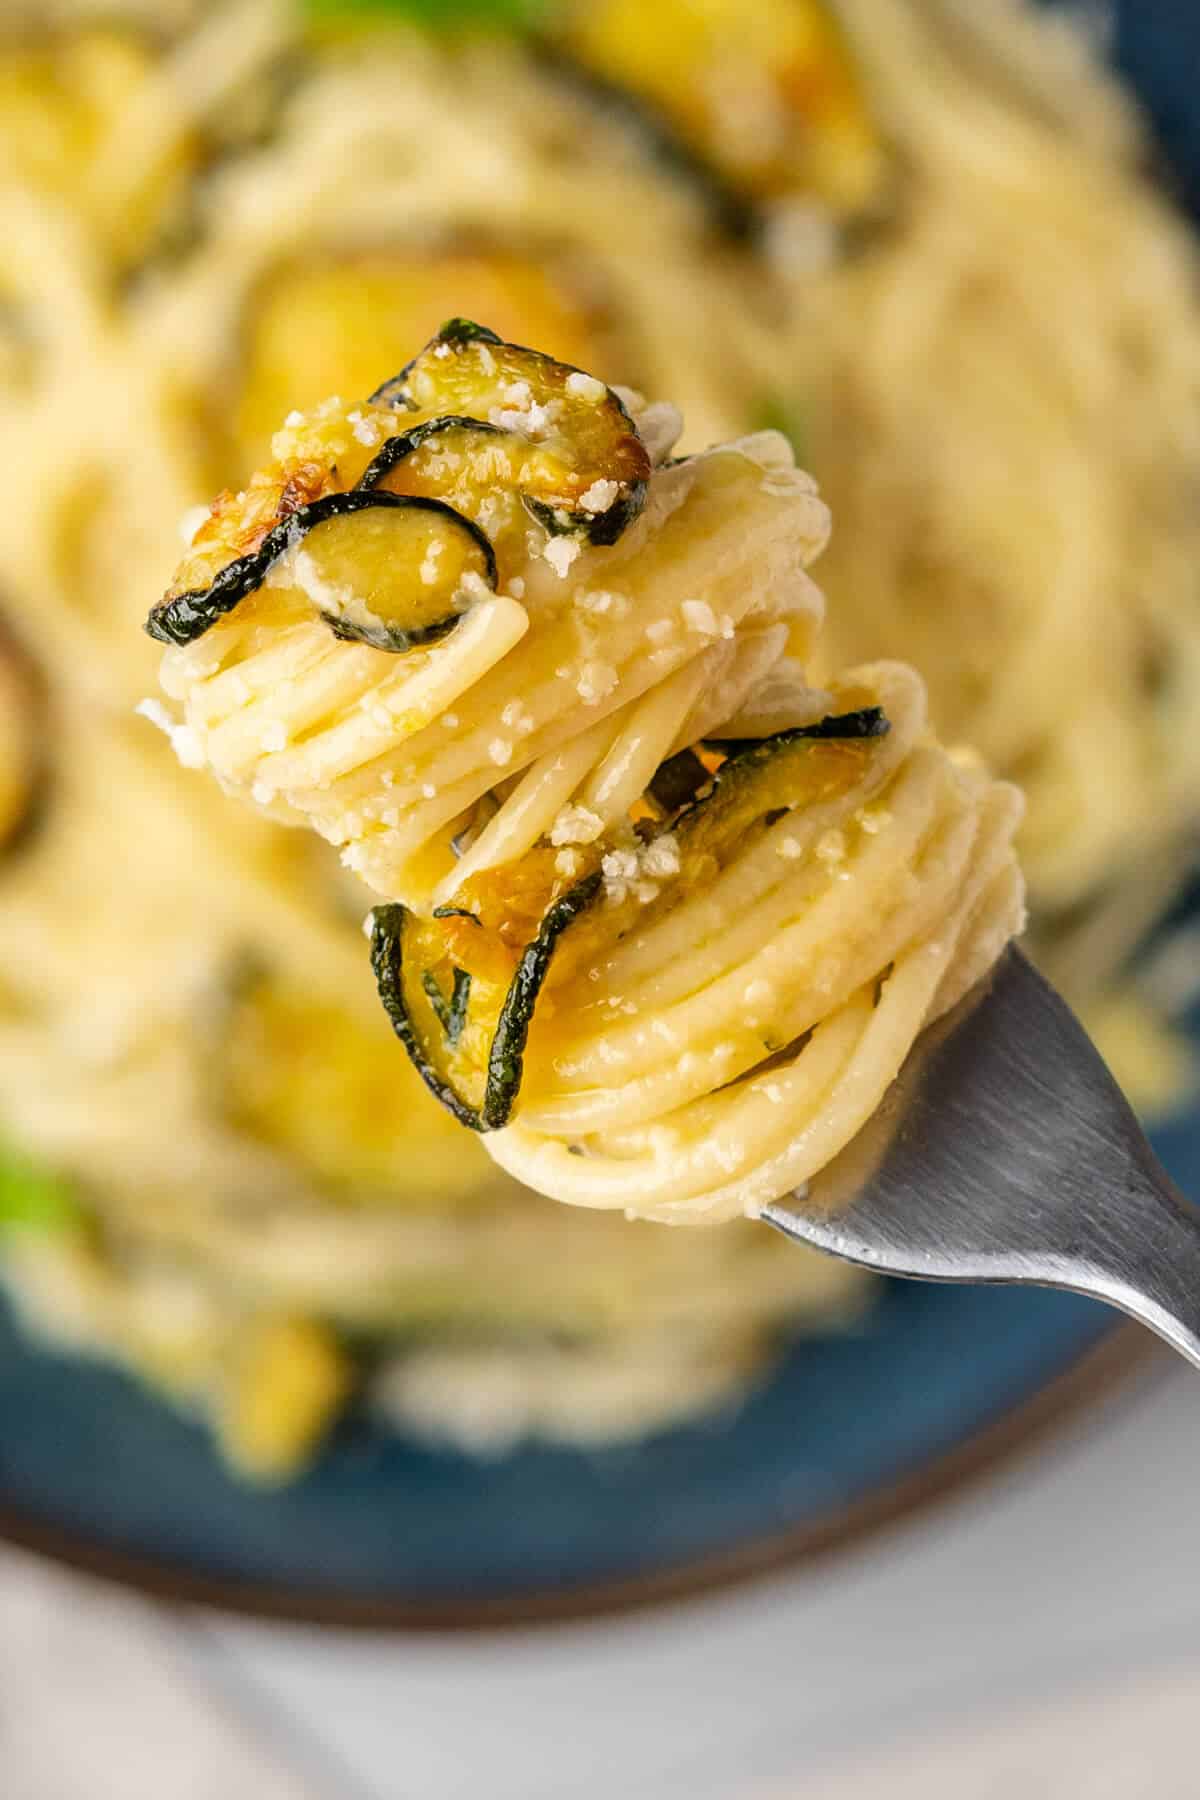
(1005, 1152)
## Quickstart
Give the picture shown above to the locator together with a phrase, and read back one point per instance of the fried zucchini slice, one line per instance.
(503, 429)
(290, 1380)
(388, 570)
(765, 95)
(574, 452)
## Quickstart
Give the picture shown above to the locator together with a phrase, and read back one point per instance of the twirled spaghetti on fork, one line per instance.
(661, 919)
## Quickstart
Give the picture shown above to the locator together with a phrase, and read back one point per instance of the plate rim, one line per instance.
(1124, 1351)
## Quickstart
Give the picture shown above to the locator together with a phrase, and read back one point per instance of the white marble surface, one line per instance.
(1040, 1637)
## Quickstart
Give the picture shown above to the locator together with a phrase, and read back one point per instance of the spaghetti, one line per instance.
(212, 214)
(678, 1006)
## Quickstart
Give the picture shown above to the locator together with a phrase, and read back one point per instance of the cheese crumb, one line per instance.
(600, 496)
(585, 387)
(790, 849)
(660, 858)
(601, 600)
(274, 736)
(560, 553)
(500, 751)
(659, 630)
(429, 562)
(576, 825)
(596, 681)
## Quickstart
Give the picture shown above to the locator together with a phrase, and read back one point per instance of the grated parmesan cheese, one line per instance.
(560, 553)
(585, 387)
(660, 858)
(600, 496)
(596, 681)
(576, 825)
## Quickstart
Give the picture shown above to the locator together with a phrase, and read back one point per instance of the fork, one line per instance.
(1005, 1152)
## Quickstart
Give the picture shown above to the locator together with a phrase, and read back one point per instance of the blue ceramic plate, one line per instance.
(851, 1431)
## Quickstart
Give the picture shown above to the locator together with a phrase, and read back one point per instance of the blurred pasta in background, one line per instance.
(916, 235)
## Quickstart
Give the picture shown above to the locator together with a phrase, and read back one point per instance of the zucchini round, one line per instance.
(469, 1052)
(690, 77)
(578, 461)
(421, 613)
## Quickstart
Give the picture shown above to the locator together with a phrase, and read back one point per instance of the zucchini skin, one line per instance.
(601, 528)
(677, 782)
(506, 1058)
(867, 722)
(397, 449)
(183, 618)
(743, 754)
(506, 1053)
(387, 966)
